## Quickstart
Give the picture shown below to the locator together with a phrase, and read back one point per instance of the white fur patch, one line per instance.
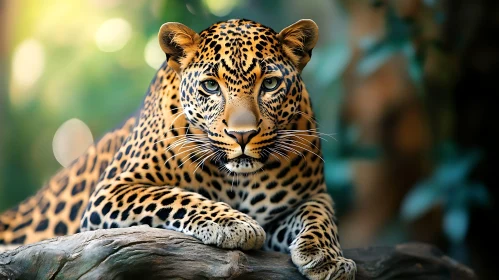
(243, 166)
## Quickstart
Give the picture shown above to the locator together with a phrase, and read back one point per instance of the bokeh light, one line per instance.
(113, 35)
(27, 66)
(221, 8)
(71, 140)
(106, 3)
(153, 54)
(190, 8)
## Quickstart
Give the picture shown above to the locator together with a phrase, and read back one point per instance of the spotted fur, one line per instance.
(224, 149)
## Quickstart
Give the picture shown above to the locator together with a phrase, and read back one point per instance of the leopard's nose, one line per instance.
(242, 137)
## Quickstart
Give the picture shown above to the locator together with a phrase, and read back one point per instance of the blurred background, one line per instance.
(405, 86)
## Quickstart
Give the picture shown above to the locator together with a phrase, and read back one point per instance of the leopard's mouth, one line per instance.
(244, 164)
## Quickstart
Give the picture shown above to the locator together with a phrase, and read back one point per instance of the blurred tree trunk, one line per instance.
(385, 109)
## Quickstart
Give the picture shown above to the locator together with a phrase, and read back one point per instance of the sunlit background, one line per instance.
(405, 86)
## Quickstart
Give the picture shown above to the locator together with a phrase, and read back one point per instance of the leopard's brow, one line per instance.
(268, 68)
(211, 69)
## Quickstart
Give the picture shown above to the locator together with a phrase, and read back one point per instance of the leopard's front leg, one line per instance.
(311, 236)
(121, 205)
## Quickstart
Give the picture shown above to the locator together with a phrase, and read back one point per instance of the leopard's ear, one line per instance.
(179, 43)
(298, 40)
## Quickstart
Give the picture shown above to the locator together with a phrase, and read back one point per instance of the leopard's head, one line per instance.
(240, 84)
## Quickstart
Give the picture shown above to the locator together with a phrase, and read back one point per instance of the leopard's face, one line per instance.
(240, 87)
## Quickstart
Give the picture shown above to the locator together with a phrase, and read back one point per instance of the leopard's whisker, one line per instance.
(203, 154)
(304, 135)
(302, 138)
(296, 144)
(281, 153)
(311, 119)
(183, 135)
(191, 155)
(194, 154)
(219, 156)
(175, 119)
(175, 114)
(275, 157)
(306, 132)
(194, 142)
(182, 152)
(314, 135)
(314, 130)
(188, 149)
(292, 150)
(177, 143)
(201, 163)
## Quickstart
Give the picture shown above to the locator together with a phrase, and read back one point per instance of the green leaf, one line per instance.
(456, 222)
(419, 200)
(456, 170)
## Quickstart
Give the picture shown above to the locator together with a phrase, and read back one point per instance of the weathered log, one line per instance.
(147, 253)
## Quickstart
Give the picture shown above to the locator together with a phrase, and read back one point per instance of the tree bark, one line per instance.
(148, 253)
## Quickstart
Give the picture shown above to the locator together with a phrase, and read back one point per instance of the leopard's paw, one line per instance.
(321, 263)
(231, 233)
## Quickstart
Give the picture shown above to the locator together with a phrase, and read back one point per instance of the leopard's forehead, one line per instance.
(241, 47)
(239, 29)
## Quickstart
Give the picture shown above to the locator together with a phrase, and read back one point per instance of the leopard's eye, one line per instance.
(270, 84)
(211, 87)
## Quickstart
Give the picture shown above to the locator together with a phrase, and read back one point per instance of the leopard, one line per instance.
(225, 148)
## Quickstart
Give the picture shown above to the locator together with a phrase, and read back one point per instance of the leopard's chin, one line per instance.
(243, 165)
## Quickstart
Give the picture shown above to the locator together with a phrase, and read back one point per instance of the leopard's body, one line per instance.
(224, 148)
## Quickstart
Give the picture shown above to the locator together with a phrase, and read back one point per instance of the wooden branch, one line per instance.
(148, 253)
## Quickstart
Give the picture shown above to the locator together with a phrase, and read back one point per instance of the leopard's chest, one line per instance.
(264, 196)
